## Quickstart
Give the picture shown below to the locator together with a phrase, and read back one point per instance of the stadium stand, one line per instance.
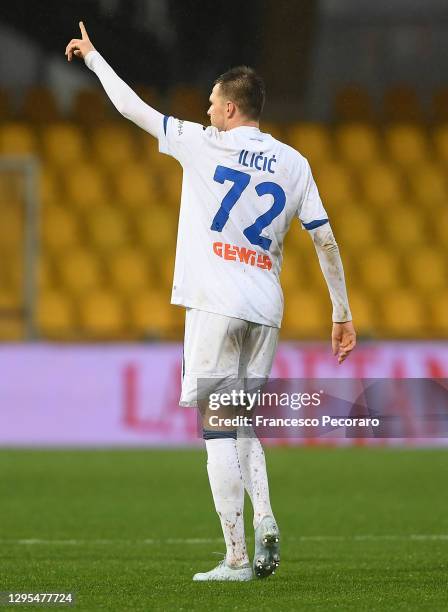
(102, 315)
(63, 144)
(17, 139)
(353, 103)
(40, 105)
(5, 105)
(401, 103)
(313, 140)
(109, 205)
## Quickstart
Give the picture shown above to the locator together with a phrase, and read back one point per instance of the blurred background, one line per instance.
(91, 349)
(88, 207)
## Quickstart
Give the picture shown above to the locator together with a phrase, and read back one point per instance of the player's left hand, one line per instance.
(79, 46)
(343, 340)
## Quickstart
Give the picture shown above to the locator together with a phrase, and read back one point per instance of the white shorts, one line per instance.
(219, 351)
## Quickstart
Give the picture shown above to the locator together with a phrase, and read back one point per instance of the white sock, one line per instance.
(228, 494)
(253, 470)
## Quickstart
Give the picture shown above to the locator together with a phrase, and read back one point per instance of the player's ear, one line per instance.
(231, 109)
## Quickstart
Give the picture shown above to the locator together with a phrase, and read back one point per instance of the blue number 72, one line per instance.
(240, 181)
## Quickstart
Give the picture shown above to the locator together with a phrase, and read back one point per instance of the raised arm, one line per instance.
(343, 336)
(125, 100)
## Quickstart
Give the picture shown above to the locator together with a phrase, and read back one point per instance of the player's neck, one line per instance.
(242, 123)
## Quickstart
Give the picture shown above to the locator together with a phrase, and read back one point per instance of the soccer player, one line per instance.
(241, 190)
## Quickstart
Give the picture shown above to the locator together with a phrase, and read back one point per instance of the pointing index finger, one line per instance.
(84, 34)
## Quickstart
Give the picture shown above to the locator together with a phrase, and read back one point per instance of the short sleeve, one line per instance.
(311, 213)
(180, 138)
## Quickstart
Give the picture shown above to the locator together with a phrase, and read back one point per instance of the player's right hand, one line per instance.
(79, 46)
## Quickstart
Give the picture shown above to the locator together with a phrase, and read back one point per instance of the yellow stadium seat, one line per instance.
(429, 184)
(11, 300)
(60, 228)
(427, 270)
(49, 187)
(55, 315)
(363, 309)
(150, 149)
(45, 271)
(102, 315)
(440, 226)
(12, 268)
(357, 144)
(407, 145)
(64, 144)
(163, 166)
(378, 270)
(354, 227)
(438, 314)
(79, 271)
(156, 229)
(3, 270)
(113, 145)
(311, 140)
(403, 227)
(166, 269)
(107, 227)
(307, 315)
(17, 271)
(172, 184)
(296, 239)
(440, 140)
(129, 271)
(12, 189)
(17, 139)
(12, 225)
(85, 186)
(402, 314)
(382, 185)
(335, 184)
(293, 274)
(151, 314)
(6, 197)
(136, 186)
(12, 329)
(310, 271)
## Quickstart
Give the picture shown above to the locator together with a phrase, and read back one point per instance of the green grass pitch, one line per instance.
(363, 529)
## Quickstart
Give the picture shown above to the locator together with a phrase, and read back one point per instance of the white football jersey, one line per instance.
(240, 191)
